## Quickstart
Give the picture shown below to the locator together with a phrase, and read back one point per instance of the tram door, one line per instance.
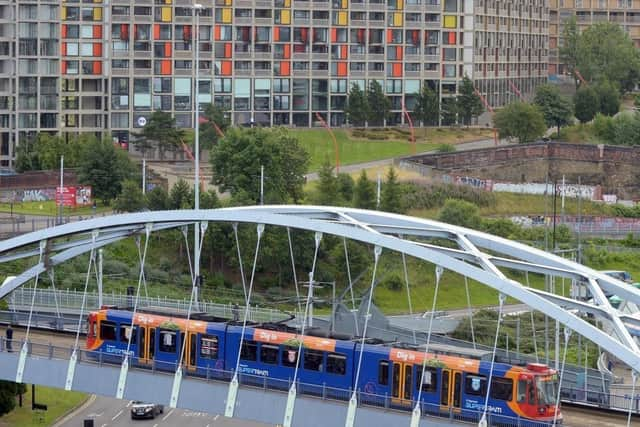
(190, 357)
(143, 346)
(402, 384)
(450, 390)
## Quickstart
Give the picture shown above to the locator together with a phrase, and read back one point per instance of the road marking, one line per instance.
(216, 417)
(104, 425)
(129, 404)
(155, 425)
(95, 415)
(168, 415)
(117, 415)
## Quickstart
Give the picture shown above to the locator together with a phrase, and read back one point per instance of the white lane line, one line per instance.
(216, 417)
(117, 415)
(155, 425)
(168, 415)
(104, 425)
(129, 404)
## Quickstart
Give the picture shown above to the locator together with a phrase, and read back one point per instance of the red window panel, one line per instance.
(63, 31)
(97, 67)
(165, 67)
(285, 68)
(64, 67)
(167, 49)
(97, 31)
(399, 53)
(287, 51)
(334, 35)
(228, 49)
(276, 34)
(97, 49)
(124, 31)
(389, 36)
(397, 69)
(342, 68)
(344, 51)
(156, 31)
(225, 68)
(216, 32)
(63, 49)
(186, 33)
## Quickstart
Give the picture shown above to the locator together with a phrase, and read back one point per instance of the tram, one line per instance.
(390, 375)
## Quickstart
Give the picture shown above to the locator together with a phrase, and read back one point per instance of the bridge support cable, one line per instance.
(483, 419)
(291, 398)
(470, 310)
(416, 414)
(144, 277)
(185, 231)
(634, 377)
(233, 385)
(24, 350)
(406, 282)
(567, 336)
(353, 402)
(348, 264)
(71, 369)
(293, 270)
(124, 369)
(52, 279)
(177, 379)
(240, 263)
(533, 323)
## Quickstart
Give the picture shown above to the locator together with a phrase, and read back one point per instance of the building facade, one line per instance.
(103, 66)
(587, 12)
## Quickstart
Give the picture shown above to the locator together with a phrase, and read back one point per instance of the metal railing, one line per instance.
(70, 302)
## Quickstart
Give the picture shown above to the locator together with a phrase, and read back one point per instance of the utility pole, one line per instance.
(378, 191)
(261, 185)
(144, 176)
(61, 187)
(196, 227)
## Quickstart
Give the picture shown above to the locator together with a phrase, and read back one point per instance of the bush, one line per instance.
(393, 282)
(460, 212)
(435, 196)
(115, 267)
(446, 148)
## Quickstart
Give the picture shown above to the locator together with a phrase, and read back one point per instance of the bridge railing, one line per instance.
(69, 301)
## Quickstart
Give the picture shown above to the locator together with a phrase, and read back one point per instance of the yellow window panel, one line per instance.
(97, 1)
(345, 4)
(287, 3)
(285, 16)
(450, 21)
(97, 14)
(342, 18)
(63, 13)
(227, 2)
(167, 1)
(400, 4)
(397, 19)
(166, 14)
(226, 16)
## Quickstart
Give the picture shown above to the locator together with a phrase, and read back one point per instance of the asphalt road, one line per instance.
(110, 412)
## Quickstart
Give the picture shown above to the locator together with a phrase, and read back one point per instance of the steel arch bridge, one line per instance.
(476, 255)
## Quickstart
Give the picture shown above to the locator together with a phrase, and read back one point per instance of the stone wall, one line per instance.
(614, 168)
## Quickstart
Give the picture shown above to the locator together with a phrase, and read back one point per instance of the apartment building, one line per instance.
(103, 66)
(587, 12)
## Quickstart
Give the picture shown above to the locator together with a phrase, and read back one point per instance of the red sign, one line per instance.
(73, 196)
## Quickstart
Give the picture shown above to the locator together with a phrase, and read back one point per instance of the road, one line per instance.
(111, 412)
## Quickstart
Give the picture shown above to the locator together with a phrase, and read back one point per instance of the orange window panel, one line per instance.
(344, 51)
(389, 36)
(63, 49)
(225, 68)
(399, 53)
(97, 31)
(285, 68)
(97, 49)
(97, 67)
(452, 38)
(397, 69)
(167, 49)
(165, 66)
(287, 51)
(156, 31)
(334, 35)
(342, 68)
(216, 32)
(64, 67)
(63, 31)
(228, 50)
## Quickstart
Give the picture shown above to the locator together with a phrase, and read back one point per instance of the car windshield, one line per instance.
(547, 389)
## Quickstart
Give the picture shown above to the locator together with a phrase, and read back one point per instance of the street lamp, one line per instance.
(197, 8)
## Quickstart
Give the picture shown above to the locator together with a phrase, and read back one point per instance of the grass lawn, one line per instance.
(48, 208)
(59, 403)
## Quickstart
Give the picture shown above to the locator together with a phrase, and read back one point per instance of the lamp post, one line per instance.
(197, 8)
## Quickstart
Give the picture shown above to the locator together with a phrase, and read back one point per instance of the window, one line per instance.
(249, 351)
(168, 342)
(336, 364)
(475, 385)
(429, 381)
(269, 354)
(522, 391)
(313, 360)
(383, 373)
(108, 331)
(209, 346)
(125, 333)
(289, 356)
(502, 389)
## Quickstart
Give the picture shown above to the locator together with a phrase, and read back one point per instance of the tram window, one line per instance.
(502, 389)
(475, 385)
(289, 356)
(313, 360)
(249, 351)
(269, 354)
(168, 342)
(522, 391)
(383, 373)
(125, 332)
(336, 363)
(430, 380)
(532, 393)
(209, 346)
(108, 331)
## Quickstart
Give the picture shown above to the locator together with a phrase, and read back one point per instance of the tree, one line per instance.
(8, 392)
(26, 156)
(556, 109)
(519, 120)
(237, 158)
(626, 129)
(603, 127)
(345, 185)
(460, 212)
(50, 148)
(391, 193)
(449, 111)
(104, 166)
(181, 196)
(609, 98)
(161, 130)
(130, 198)
(587, 104)
(157, 199)
(214, 116)
(357, 107)
(569, 49)
(364, 195)
(427, 108)
(468, 102)
(379, 104)
(606, 52)
(327, 190)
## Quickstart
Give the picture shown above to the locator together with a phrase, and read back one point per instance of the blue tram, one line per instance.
(390, 376)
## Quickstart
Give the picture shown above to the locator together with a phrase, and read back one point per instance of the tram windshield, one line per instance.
(547, 389)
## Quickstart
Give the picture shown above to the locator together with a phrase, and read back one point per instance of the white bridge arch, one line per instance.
(478, 256)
